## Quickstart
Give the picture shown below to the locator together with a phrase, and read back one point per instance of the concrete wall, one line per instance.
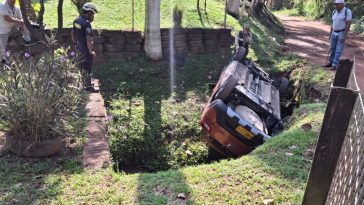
(118, 45)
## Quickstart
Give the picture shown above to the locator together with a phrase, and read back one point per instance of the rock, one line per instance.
(133, 47)
(268, 202)
(307, 127)
(182, 196)
(113, 48)
(17, 185)
(293, 147)
(289, 154)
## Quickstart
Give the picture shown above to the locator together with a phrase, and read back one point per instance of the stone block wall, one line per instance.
(109, 45)
(196, 40)
(117, 45)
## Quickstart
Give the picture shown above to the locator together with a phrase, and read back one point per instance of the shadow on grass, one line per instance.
(30, 181)
(173, 189)
(39, 180)
(152, 128)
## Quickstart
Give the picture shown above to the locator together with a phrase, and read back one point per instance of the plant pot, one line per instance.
(25, 148)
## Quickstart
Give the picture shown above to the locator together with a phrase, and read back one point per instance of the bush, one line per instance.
(38, 95)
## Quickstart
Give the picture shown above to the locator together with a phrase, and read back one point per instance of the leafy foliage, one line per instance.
(38, 95)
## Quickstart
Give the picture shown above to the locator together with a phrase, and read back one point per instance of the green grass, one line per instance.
(153, 128)
(166, 134)
(267, 173)
(116, 14)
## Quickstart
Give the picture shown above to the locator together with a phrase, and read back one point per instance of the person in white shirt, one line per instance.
(10, 22)
(341, 22)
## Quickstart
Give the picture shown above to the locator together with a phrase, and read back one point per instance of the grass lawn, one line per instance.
(267, 173)
(153, 129)
(116, 14)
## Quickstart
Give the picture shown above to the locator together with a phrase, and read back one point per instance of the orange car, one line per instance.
(243, 110)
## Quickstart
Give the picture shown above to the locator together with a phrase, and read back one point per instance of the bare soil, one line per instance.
(310, 40)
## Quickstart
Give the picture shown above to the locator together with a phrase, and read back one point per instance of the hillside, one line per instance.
(116, 14)
(138, 96)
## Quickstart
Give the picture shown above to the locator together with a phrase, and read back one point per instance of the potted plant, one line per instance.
(37, 97)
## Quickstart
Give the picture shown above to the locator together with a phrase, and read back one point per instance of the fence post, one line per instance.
(343, 73)
(336, 120)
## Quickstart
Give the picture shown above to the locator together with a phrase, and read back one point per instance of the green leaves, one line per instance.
(38, 94)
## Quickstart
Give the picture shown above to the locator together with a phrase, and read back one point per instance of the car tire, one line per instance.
(224, 90)
(283, 85)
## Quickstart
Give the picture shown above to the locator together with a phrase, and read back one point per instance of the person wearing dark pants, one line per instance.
(82, 38)
(341, 21)
(242, 41)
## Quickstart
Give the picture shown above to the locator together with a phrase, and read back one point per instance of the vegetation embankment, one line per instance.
(116, 14)
(153, 130)
(323, 10)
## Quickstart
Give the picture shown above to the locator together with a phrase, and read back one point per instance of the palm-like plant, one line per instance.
(37, 96)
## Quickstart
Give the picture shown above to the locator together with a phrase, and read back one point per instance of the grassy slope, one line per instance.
(116, 14)
(265, 174)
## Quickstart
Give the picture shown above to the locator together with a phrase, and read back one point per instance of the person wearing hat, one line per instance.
(11, 21)
(341, 22)
(83, 41)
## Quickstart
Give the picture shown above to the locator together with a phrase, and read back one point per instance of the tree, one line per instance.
(41, 14)
(233, 7)
(34, 33)
(60, 14)
(152, 33)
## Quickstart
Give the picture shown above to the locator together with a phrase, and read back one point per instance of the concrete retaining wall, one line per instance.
(117, 45)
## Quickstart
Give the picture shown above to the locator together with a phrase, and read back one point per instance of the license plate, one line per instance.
(244, 132)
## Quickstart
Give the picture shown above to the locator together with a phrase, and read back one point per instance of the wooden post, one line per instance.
(336, 121)
(343, 73)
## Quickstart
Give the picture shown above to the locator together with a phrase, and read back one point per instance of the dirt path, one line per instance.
(309, 39)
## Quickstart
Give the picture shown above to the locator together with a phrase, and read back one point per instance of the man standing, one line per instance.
(341, 21)
(10, 21)
(242, 41)
(82, 38)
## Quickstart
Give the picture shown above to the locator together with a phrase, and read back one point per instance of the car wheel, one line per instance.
(283, 85)
(225, 89)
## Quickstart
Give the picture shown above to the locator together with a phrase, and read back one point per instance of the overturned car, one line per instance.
(243, 110)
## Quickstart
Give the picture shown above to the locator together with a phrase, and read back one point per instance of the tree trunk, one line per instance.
(35, 35)
(41, 14)
(233, 7)
(132, 15)
(60, 14)
(152, 34)
(29, 10)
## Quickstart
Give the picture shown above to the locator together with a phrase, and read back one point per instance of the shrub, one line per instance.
(38, 95)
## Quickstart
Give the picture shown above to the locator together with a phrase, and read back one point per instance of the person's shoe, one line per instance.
(329, 65)
(333, 68)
